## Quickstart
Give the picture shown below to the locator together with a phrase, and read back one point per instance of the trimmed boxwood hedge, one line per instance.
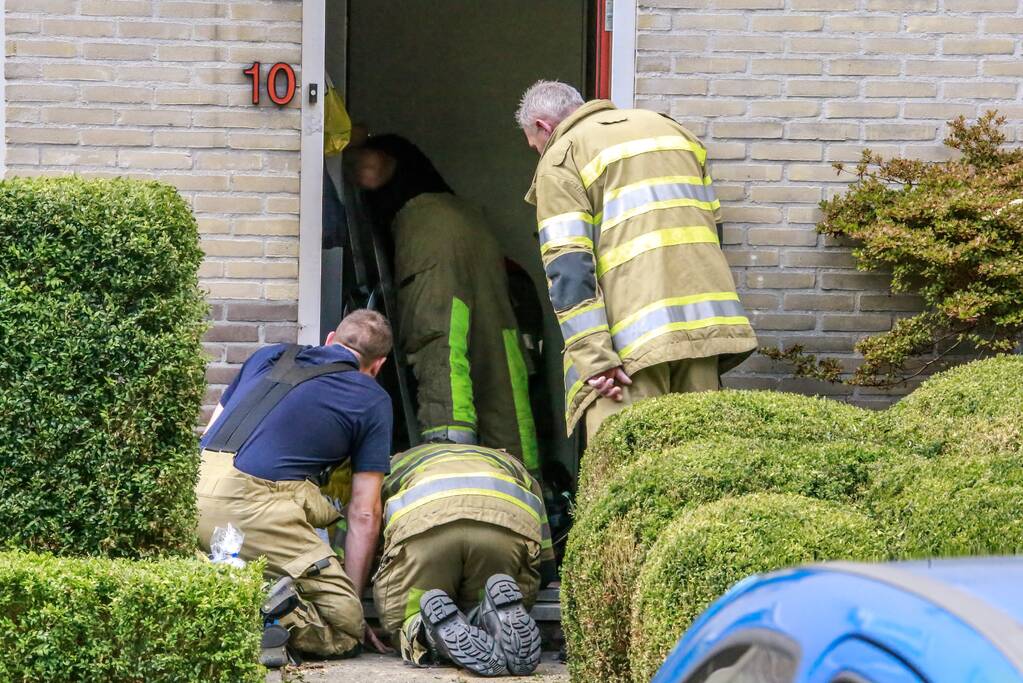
(956, 505)
(101, 377)
(939, 474)
(950, 408)
(118, 621)
(708, 549)
(673, 420)
(609, 543)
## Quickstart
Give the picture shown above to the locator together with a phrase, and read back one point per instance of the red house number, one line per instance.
(272, 82)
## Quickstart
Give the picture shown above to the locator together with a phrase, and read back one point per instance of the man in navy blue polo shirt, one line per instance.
(291, 416)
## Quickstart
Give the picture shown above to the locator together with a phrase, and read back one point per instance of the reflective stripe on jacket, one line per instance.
(627, 218)
(434, 484)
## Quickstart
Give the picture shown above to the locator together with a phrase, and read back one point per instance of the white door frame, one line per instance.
(623, 53)
(314, 45)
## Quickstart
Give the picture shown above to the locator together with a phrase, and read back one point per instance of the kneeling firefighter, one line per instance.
(456, 322)
(292, 415)
(465, 532)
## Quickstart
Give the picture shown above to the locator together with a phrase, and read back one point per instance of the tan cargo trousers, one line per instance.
(458, 558)
(675, 377)
(278, 520)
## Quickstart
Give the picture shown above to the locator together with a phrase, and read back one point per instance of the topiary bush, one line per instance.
(662, 423)
(939, 474)
(952, 407)
(610, 539)
(706, 550)
(117, 621)
(101, 377)
(951, 506)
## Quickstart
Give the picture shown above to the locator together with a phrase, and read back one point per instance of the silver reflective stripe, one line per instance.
(420, 491)
(571, 377)
(587, 321)
(667, 315)
(565, 229)
(646, 194)
(465, 437)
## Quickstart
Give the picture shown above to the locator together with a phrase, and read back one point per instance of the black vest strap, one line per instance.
(285, 375)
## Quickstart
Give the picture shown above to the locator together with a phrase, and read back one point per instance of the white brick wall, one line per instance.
(155, 89)
(781, 89)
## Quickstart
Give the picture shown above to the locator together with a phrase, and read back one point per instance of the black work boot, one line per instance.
(282, 599)
(273, 653)
(505, 617)
(451, 635)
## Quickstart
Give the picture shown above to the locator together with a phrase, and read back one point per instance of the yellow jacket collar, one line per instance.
(591, 107)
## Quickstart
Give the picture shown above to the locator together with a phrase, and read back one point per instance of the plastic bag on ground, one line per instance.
(225, 544)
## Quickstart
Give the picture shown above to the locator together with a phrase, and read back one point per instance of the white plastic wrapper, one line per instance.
(225, 546)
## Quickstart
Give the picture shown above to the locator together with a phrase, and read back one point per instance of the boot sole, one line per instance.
(468, 646)
(274, 647)
(520, 636)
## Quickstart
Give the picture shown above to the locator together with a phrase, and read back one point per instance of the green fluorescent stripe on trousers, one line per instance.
(412, 603)
(520, 392)
(462, 407)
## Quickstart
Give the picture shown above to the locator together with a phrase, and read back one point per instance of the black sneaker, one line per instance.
(506, 618)
(274, 647)
(281, 599)
(448, 631)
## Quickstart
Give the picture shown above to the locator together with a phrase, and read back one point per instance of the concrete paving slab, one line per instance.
(374, 668)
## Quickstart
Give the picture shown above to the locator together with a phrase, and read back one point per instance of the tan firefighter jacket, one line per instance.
(435, 484)
(627, 228)
(457, 325)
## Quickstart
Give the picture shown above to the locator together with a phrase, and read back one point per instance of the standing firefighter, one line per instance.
(464, 526)
(292, 415)
(627, 227)
(456, 322)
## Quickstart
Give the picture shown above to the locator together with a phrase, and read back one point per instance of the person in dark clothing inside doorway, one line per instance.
(456, 322)
(291, 416)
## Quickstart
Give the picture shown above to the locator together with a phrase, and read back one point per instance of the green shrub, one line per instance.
(662, 423)
(119, 621)
(708, 549)
(101, 377)
(952, 408)
(609, 542)
(953, 505)
(950, 232)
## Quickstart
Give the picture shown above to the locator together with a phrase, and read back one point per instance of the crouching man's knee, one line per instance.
(330, 621)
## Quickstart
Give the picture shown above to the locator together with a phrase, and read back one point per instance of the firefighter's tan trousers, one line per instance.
(278, 520)
(458, 558)
(675, 377)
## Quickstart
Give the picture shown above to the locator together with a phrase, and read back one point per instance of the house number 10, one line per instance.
(276, 71)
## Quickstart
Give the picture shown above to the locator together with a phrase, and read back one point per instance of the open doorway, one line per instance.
(447, 75)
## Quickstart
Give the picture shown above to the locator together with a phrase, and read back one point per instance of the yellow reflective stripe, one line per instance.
(463, 408)
(675, 301)
(693, 234)
(663, 180)
(427, 454)
(695, 325)
(655, 206)
(461, 492)
(520, 398)
(584, 242)
(572, 216)
(624, 150)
